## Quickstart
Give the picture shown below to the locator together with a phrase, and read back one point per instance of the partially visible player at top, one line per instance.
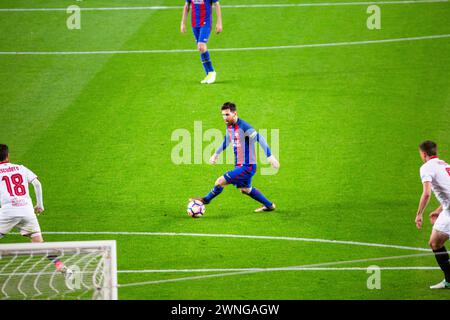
(435, 176)
(201, 19)
(16, 205)
(243, 137)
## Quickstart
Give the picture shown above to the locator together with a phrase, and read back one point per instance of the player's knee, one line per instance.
(221, 181)
(246, 190)
(36, 237)
(434, 245)
(202, 47)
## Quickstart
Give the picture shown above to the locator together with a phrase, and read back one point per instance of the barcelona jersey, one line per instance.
(243, 137)
(201, 12)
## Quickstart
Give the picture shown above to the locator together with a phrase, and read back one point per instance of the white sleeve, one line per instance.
(425, 174)
(38, 191)
(30, 176)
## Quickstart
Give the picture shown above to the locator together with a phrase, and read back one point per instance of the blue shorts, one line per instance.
(202, 33)
(241, 177)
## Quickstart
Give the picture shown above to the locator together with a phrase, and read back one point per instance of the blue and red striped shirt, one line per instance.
(243, 137)
(201, 12)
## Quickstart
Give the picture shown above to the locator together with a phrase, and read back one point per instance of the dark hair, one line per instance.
(229, 105)
(4, 152)
(429, 147)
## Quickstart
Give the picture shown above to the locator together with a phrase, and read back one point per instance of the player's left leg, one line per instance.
(244, 183)
(437, 242)
(201, 46)
(35, 237)
(29, 227)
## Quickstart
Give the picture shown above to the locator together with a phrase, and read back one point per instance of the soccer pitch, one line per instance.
(350, 104)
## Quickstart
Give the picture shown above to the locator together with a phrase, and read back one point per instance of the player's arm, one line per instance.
(263, 143)
(424, 199)
(220, 149)
(219, 17)
(435, 214)
(39, 208)
(183, 18)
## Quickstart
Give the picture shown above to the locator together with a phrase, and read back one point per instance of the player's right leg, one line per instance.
(439, 235)
(202, 40)
(29, 227)
(243, 181)
(196, 32)
(255, 194)
(219, 185)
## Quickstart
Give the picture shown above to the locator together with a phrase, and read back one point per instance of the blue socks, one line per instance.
(206, 60)
(258, 196)
(213, 193)
(255, 194)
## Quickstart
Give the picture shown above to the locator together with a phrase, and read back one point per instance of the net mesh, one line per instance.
(32, 274)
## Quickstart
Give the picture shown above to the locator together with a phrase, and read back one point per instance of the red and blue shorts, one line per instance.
(202, 33)
(241, 177)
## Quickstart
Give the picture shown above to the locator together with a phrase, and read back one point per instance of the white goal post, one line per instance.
(33, 270)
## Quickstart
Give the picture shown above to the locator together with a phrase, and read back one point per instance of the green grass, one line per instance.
(97, 130)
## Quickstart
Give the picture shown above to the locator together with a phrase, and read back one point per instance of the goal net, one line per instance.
(59, 270)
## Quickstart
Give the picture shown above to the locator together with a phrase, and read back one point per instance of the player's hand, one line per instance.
(214, 158)
(183, 28)
(419, 221)
(38, 210)
(219, 28)
(433, 216)
(273, 162)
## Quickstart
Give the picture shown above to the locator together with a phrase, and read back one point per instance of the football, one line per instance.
(195, 209)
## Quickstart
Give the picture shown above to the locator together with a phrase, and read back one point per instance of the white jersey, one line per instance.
(14, 192)
(437, 172)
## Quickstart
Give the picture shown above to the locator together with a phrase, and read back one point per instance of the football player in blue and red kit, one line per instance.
(201, 18)
(243, 138)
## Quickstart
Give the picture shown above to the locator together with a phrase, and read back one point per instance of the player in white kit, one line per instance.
(435, 176)
(16, 204)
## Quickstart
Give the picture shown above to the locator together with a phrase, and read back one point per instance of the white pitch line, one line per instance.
(237, 236)
(298, 46)
(233, 270)
(243, 6)
(182, 279)
(251, 271)
(272, 269)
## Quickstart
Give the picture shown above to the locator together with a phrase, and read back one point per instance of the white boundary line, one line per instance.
(250, 271)
(254, 270)
(237, 236)
(243, 6)
(275, 269)
(299, 46)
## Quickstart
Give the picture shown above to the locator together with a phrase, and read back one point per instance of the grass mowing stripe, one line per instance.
(234, 236)
(279, 269)
(243, 6)
(299, 46)
(273, 269)
(350, 119)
